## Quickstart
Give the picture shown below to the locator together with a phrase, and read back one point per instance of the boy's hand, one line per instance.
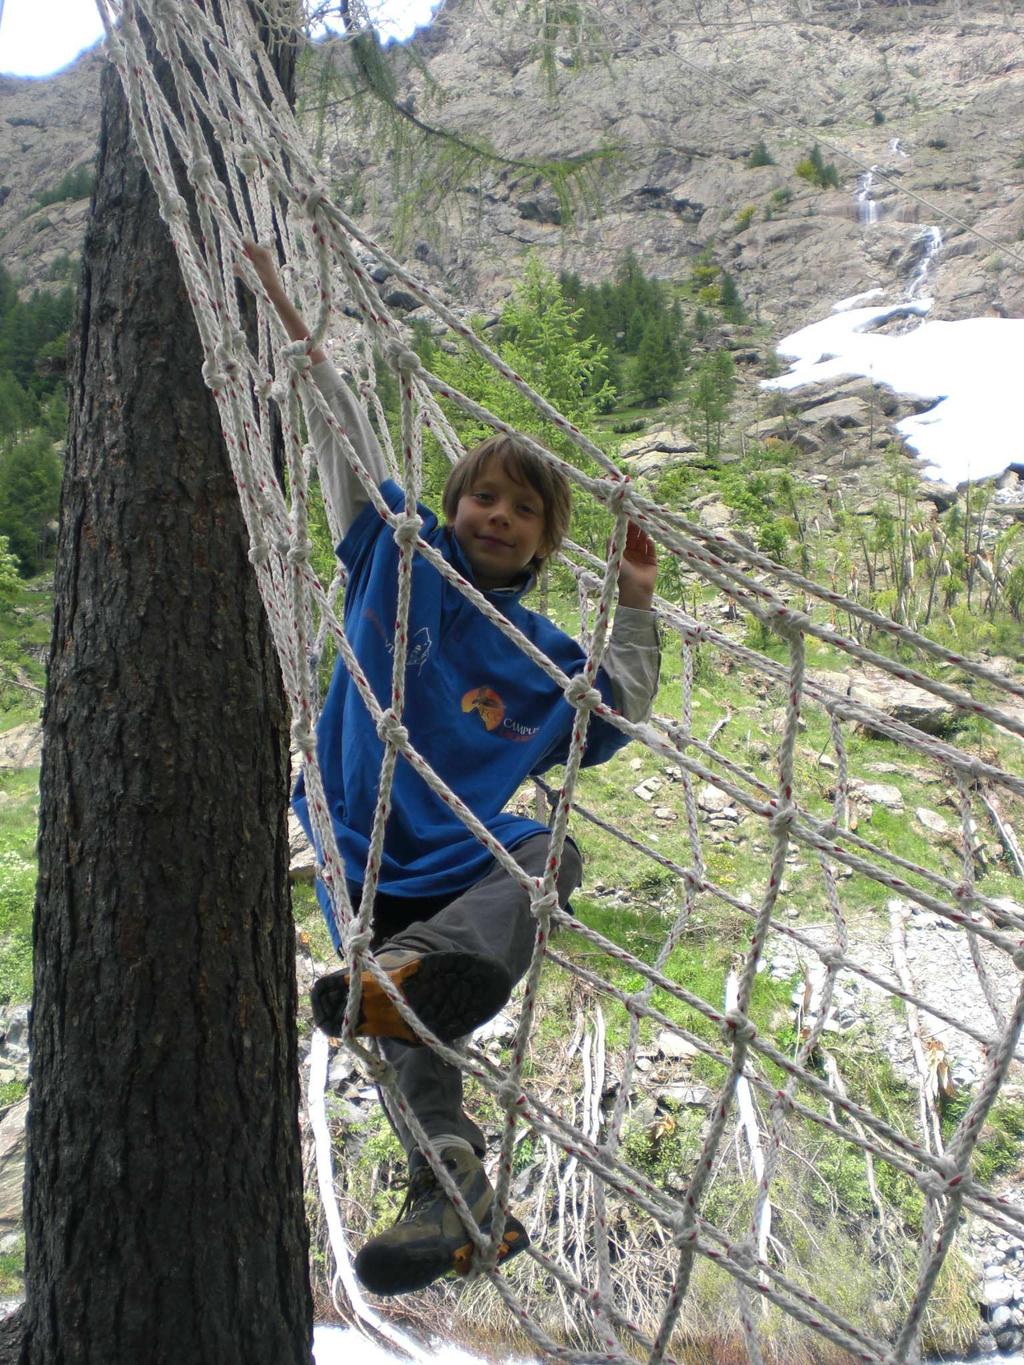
(265, 265)
(264, 262)
(638, 570)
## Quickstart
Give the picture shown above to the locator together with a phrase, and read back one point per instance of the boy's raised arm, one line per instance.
(341, 484)
(632, 659)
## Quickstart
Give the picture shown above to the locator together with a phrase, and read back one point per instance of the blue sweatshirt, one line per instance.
(481, 713)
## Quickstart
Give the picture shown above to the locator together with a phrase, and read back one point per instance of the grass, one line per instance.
(20, 804)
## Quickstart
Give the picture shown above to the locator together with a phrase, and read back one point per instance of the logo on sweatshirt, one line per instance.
(491, 709)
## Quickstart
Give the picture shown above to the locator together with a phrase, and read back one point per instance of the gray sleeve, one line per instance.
(340, 483)
(632, 662)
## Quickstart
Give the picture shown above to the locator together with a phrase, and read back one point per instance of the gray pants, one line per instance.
(492, 918)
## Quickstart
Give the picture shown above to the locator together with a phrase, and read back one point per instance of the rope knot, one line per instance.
(360, 943)
(737, 1028)
(382, 1073)
(299, 552)
(948, 1179)
(201, 171)
(579, 693)
(224, 355)
(544, 906)
(782, 821)
(304, 737)
(296, 356)
(402, 358)
(790, 622)
(743, 1255)
(408, 529)
(315, 200)
(510, 1095)
(213, 377)
(693, 635)
(259, 553)
(248, 161)
(391, 730)
(831, 958)
(173, 207)
(684, 1232)
(963, 893)
(618, 491)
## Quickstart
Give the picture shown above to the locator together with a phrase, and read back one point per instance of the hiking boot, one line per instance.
(429, 1238)
(451, 992)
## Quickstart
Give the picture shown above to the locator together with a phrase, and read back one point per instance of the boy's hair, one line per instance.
(521, 464)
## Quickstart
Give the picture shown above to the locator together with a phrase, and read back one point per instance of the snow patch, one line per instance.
(970, 370)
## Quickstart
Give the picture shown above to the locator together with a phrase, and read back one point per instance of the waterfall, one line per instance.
(867, 209)
(930, 239)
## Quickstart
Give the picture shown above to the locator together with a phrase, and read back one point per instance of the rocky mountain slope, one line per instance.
(684, 92)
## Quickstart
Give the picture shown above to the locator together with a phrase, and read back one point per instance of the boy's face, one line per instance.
(499, 524)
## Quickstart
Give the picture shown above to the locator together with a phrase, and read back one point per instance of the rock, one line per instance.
(302, 864)
(902, 701)
(661, 441)
(841, 414)
(647, 788)
(878, 793)
(694, 1096)
(401, 299)
(12, 1166)
(932, 820)
(711, 798)
(997, 1292)
(941, 495)
(665, 813)
(21, 747)
(1002, 1317)
(832, 679)
(715, 515)
(15, 1034)
(671, 1045)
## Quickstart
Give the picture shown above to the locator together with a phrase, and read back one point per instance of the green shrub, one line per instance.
(815, 171)
(745, 217)
(760, 156)
(76, 184)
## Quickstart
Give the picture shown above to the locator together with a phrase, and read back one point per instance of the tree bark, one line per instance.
(164, 1208)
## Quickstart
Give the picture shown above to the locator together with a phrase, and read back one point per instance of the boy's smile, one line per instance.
(499, 524)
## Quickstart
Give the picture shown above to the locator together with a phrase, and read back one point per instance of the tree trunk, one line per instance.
(164, 1206)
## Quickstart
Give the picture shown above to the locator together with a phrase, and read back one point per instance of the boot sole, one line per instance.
(452, 993)
(404, 1271)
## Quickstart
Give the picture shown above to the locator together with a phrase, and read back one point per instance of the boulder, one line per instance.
(941, 495)
(841, 414)
(902, 701)
(932, 821)
(302, 860)
(22, 746)
(662, 440)
(878, 793)
(12, 1166)
(713, 800)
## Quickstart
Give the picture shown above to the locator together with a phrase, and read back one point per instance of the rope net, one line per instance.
(268, 187)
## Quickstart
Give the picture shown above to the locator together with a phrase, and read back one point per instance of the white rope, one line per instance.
(217, 74)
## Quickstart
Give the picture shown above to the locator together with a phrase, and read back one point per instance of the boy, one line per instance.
(451, 929)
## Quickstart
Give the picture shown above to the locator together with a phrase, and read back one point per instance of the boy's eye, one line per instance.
(527, 511)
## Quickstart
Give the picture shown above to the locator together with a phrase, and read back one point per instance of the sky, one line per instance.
(30, 47)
